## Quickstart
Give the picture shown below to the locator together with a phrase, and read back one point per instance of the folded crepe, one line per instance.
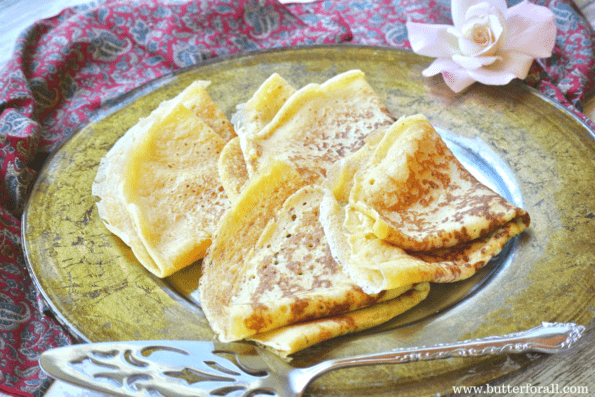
(232, 169)
(248, 120)
(293, 338)
(196, 98)
(159, 186)
(262, 107)
(236, 233)
(278, 284)
(404, 210)
(312, 127)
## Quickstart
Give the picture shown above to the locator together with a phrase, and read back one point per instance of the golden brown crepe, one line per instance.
(287, 276)
(413, 213)
(290, 275)
(111, 179)
(316, 126)
(236, 233)
(172, 189)
(420, 196)
(232, 169)
(249, 119)
(262, 107)
(321, 217)
(292, 338)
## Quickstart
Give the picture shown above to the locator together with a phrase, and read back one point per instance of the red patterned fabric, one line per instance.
(65, 67)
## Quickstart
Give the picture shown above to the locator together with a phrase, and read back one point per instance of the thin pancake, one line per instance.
(249, 119)
(420, 196)
(108, 183)
(290, 276)
(261, 108)
(237, 232)
(172, 191)
(377, 265)
(318, 125)
(352, 228)
(290, 339)
(232, 169)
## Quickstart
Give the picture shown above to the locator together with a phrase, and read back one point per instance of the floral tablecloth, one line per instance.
(65, 67)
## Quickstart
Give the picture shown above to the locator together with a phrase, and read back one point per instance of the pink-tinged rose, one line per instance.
(488, 42)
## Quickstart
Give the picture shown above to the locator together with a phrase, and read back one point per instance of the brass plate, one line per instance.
(524, 145)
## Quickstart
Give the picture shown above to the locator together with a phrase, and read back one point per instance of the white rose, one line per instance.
(488, 42)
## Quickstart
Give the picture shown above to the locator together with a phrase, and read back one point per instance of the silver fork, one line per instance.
(198, 368)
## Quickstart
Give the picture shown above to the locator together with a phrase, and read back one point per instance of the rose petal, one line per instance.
(470, 48)
(432, 40)
(477, 10)
(512, 65)
(474, 62)
(438, 66)
(498, 25)
(459, 8)
(487, 19)
(456, 77)
(531, 30)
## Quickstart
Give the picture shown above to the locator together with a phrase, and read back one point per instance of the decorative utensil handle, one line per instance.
(546, 338)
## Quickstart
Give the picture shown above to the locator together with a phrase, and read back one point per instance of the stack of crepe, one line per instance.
(323, 216)
(159, 185)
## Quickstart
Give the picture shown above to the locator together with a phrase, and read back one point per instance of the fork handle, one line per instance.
(546, 338)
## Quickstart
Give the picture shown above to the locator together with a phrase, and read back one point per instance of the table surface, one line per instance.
(572, 370)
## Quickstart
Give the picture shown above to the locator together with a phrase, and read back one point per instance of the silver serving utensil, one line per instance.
(193, 368)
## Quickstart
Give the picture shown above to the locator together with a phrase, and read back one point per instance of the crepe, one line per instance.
(420, 196)
(232, 169)
(322, 217)
(262, 107)
(172, 189)
(288, 276)
(413, 213)
(316, 126)
(111, 180)
(249, 119)
(236, 233)
(292, 338)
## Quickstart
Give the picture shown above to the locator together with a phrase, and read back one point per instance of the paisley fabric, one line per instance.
(65, 67)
